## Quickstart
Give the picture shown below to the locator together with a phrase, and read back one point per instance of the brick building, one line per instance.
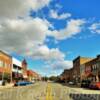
(92, 69)
(5, 67)
(67, 75)
(83, 69)
(77, 62)
(24, 66)
(33, 75)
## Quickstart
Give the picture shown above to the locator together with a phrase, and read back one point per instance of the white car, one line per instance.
(71, 83)
(33, 81)
(1, 82)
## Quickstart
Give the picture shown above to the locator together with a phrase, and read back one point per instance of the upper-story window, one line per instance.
(95, 67)
(9, 65)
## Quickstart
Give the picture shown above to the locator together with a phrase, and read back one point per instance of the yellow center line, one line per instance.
(49, 93)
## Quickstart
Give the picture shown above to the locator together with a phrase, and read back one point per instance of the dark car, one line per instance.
(95, 86)
(22, 83)
(85, 83)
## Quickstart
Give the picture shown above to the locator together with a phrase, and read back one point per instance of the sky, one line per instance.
(49, 34)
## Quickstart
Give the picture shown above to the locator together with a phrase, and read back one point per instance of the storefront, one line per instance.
(5, 67)
(16, 70)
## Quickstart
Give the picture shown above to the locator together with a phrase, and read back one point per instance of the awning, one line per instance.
(90, 75)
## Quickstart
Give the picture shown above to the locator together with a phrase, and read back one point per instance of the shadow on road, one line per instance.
(84, 96)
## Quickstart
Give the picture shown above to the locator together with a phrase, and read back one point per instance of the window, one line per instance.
(5, 64)
(9, 65)
(1, 63)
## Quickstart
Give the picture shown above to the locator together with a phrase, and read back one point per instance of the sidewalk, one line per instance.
(7, 86)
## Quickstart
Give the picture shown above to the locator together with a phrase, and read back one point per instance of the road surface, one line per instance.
(48, 91)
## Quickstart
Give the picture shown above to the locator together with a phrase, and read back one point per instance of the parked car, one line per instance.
(95, 86)
(85, 83)
(71, 83)
(2, 82)
(33, 81)
(22, 83)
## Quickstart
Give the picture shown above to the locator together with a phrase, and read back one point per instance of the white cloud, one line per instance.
(95, 28)
(26, 35)
(15, 8)
(43, 52)
(62, 64)
(72, 28)
(19, 34)
(22, 35)
(55, 15)
(54, 59)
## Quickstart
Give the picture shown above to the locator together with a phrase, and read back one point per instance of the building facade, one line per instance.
(92, 69)
(33, 76)
(67, 75)
(5, 67)
(24, 69)
(17, 73)
(77, 63)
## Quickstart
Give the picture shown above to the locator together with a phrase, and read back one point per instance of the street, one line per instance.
(48, 91)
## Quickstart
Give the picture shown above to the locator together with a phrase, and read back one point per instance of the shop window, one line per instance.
(5, 64)
(1, 63)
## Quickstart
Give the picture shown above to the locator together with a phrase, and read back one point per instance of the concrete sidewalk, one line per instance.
(7, 86)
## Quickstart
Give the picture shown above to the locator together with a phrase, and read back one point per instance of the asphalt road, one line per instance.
(48, 91)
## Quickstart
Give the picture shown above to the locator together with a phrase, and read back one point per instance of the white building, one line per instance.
(16, 69)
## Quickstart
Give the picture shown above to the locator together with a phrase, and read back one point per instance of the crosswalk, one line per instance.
(49, 95)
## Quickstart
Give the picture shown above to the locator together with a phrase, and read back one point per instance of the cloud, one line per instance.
(95, 28)
(72, 28)
(55, 15)
(16, 8)
(56, 67)
(24, 35)
(53, 57)
(20, 35)
(62, 64)
(43, 52)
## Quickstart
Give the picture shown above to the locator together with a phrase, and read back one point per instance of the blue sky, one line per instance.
(51, 33)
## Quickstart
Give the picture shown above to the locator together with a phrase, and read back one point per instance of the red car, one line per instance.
(95, 86)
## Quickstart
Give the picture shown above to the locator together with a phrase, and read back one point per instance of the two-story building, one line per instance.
(17, 73)
(92, 69)
(77, 66)
(5, 66)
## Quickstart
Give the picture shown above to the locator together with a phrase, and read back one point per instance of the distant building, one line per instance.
(24, 66)
(33, 75)
(67, 75)
(5, 67)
